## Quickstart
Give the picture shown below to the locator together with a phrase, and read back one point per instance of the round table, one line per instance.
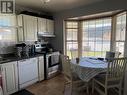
(87, 68)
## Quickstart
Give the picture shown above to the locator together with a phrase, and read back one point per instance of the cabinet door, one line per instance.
(41, 68)
(50, 26)
(42, 27)
(10, 77)
(20, 28)
(30, 28)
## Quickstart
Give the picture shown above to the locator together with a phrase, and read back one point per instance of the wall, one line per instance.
(106, 5)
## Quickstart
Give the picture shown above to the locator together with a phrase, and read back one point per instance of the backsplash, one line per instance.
(6, 47)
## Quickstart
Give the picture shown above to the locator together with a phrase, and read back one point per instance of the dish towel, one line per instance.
(55, 59)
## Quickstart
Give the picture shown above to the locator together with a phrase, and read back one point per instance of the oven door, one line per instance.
(51, 63)
(53, 59)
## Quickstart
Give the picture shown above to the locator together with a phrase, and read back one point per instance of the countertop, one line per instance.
(14, 58)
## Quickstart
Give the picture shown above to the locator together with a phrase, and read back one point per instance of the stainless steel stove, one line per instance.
(51, 60)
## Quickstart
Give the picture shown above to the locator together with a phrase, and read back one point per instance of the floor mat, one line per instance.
(23, 92)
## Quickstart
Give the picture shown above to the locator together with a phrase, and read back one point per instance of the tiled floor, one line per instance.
(54, 86)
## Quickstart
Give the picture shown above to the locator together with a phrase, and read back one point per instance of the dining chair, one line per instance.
(117, 54)
(71, 77)
(113, 77)
(109, 56)
(74, 53)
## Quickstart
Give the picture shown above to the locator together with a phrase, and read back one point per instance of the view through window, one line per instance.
(96, 37)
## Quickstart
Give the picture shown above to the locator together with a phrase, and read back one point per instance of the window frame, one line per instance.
(120, 41)
(112, 35)
(65, 41)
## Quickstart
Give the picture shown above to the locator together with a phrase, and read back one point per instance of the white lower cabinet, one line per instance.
(41, 68)
(20, 74)
(9, 77)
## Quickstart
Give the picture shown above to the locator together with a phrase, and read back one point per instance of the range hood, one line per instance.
(46, 34)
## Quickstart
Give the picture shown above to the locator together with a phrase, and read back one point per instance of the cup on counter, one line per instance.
(77, 60)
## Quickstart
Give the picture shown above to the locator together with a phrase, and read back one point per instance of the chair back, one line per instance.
(117, 54)
(109, 56)
(116, 69)
(74, 53)
(66, 66)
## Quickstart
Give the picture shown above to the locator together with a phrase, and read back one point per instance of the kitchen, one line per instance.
(34, 35)
(22, 68)
(26, 54)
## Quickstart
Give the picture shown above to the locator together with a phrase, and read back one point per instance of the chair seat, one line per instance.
(76, 82)
(102, 78)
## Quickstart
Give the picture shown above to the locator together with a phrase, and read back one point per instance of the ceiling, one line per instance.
(53, 5)
(98, 15)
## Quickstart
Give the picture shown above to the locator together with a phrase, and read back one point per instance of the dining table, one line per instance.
(87, 67)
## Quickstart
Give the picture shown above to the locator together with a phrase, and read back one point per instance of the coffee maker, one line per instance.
(22, 50)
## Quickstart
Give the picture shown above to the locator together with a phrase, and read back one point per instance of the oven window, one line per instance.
(51, 62)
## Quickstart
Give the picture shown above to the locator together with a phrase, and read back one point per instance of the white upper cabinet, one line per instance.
(27, 28)
(50, 26)
(30, 28)
(42, 27)
(45, 26)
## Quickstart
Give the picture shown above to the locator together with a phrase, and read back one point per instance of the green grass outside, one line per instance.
(90, 54)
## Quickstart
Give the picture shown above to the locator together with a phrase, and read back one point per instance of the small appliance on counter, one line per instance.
(22, 50)
(43, 48)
